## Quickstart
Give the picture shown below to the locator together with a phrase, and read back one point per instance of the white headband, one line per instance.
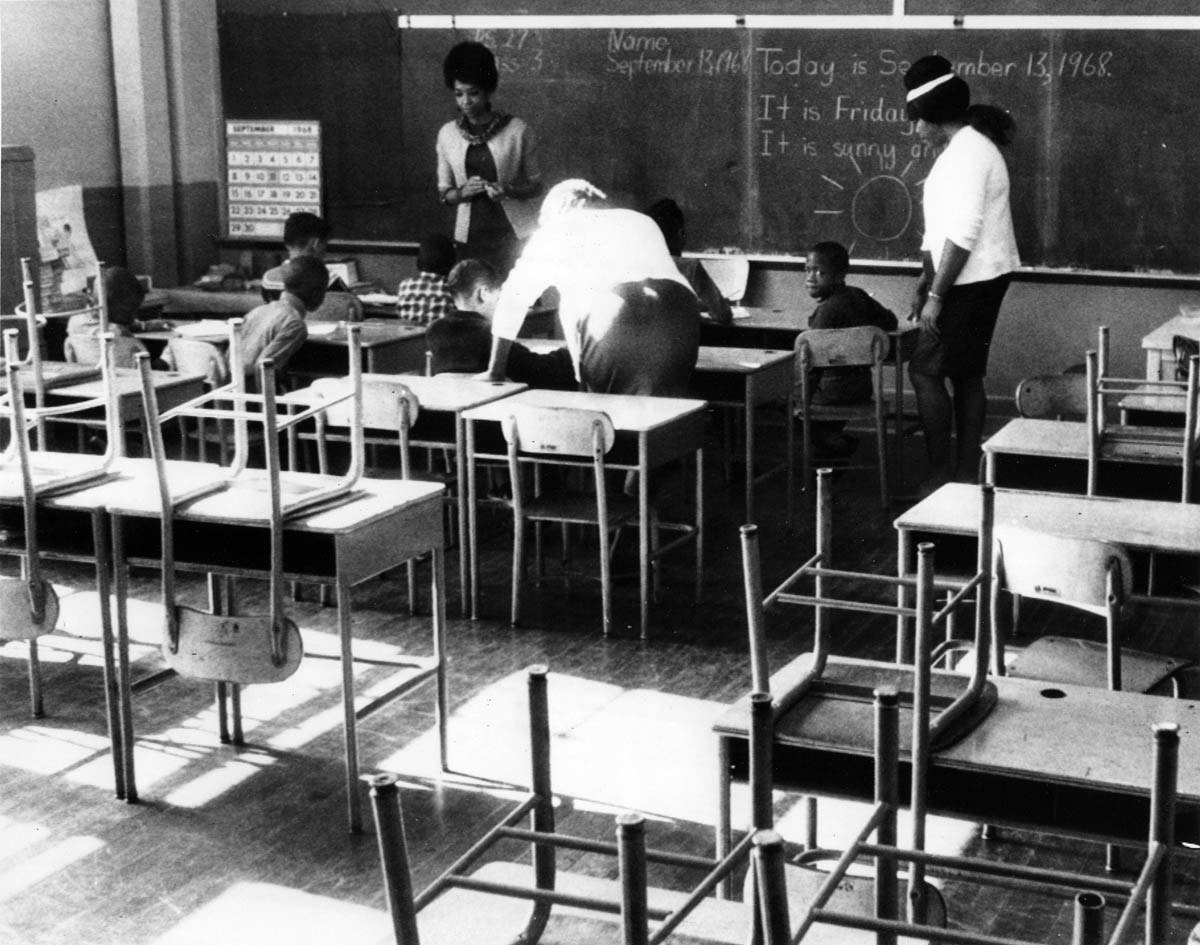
(928, 86)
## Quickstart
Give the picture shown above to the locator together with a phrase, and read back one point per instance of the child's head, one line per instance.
(475, 286)
(306, 234)
(669, 217)
(825, 268)
(123, 294)
(306, 278)
(436, 254)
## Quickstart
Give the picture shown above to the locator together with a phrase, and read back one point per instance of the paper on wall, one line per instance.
(68, 260)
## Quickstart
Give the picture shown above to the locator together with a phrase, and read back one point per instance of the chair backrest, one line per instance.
(841, 347)
(1184, 349)
(192, 356)
(558, 431)
(1071, 571)
(1053, 396)
(730, 275)
(385, 402)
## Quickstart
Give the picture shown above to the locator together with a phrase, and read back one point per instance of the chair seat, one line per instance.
(1085, 663)
(581, 508)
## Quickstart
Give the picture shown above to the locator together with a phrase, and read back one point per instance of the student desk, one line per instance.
(73, 526)
(388, 347)
(1142, 526)
(738, 378)
(382, 525)
(1053, 455)
(778, 328)
(54, 374)
(1149, 405)
(746, 378)
(172, 388)
(1160, 352)
(443, 401)
(1063, 759)
(650, 432)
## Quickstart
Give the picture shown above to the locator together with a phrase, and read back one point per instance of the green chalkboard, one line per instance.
(769, 138)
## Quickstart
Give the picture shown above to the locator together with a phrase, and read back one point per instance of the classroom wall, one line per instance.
(122, 98)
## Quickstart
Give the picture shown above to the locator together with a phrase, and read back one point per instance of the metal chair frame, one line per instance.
(630, 848)
(1101, 435)
(812, 354)
(44, 474)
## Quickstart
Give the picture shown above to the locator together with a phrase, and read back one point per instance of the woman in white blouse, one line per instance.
(968, 255)
(487, 163)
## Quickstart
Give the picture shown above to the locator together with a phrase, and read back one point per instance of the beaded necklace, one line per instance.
(499, 120)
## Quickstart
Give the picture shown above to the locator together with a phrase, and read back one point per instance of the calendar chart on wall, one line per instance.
(273, 169)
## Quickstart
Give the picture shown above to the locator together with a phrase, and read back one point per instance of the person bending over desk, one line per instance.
(839, 306)
(306, 234)
(277, 329)
(462, 341)
(669, 217)
(630, 320)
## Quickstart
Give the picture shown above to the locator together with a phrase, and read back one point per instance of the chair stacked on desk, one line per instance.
(1105, 439)
(29, 604)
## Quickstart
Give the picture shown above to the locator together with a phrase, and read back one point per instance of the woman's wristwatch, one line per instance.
(446, 195)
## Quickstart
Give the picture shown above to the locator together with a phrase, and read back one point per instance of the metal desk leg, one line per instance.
(748, 407)
(124, 677)
(349, 719)
(472, 526)
(724, 837)
(438, 599)
(699, 524)
(790, 421)
(460, 469)
(112, 690)
(644, 532)
(903, 594)
(898, 433)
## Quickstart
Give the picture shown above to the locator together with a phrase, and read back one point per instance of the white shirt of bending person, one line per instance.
(583, 252)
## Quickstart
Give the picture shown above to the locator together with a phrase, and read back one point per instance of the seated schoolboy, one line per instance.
(123, 295)
(277, 329)
(461, 342)
(669, 217)
(423, 298)
(839, 306)
(306, 234)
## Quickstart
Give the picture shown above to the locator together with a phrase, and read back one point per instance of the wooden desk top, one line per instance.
(248, 502)
(779, 319)
(126, 478)
(1179, 325)
(127, 382)
(1067, 439)
(185, 300)
(1087, 737)
(451, 394)
(55, 374)
(1136, 523)
(629, 413)
(375, 332)
(740, 360)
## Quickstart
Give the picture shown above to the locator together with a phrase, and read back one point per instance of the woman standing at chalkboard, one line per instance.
(487, 165)
(968, 255)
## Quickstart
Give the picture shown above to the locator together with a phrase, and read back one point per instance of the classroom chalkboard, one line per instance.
(769, 138)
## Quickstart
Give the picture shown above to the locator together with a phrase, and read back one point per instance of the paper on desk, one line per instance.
(378, 298)
(320, 329)
(205, 328)
(740, 312)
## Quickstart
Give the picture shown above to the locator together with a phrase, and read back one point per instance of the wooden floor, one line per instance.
(250, 845)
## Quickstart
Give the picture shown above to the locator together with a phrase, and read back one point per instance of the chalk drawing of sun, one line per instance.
(880, 208)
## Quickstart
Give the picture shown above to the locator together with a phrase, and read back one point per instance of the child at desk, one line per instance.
(461, 342)
(277, 329)
(423, 298)
(669, 217)
(306, 234)
(839, 306)
(123, 295)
